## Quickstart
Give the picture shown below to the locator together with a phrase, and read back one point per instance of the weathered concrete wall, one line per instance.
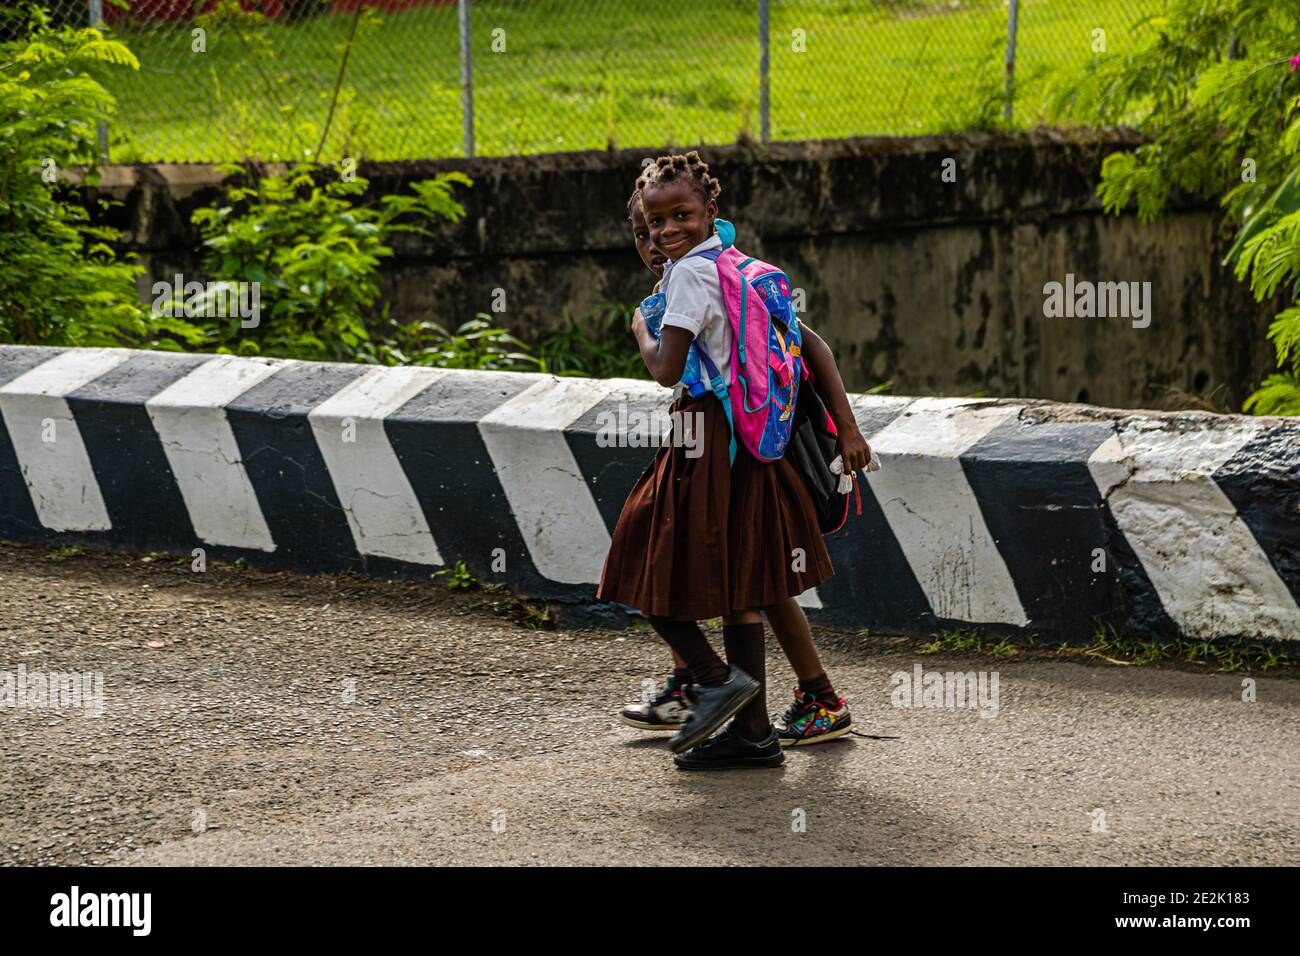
(936, 286)
(1004, 516)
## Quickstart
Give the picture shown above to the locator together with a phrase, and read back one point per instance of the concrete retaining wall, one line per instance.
(1010, 516)
(933, 283)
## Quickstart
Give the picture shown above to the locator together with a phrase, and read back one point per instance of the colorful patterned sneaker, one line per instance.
(808, 722)
(665, 712)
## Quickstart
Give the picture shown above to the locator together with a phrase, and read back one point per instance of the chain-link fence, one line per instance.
(386, 79)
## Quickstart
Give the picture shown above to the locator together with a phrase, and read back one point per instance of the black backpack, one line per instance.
(812, 449)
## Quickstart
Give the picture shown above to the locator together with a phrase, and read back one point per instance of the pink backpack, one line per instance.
(766, 359)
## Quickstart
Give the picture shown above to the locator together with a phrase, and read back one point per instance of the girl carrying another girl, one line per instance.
(702, 537)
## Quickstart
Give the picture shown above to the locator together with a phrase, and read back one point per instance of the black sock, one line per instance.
(681, 676)
(692, 647)
(744, 644)
(820, 687)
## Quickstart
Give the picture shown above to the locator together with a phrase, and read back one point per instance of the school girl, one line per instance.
(702, 537)
(817, 714)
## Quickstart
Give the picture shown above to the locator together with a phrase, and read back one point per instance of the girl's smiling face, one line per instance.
(678, 217)
(654, 259)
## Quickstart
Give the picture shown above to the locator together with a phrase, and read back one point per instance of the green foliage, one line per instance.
(1111, 647)
(1212, 88)
(300, 234)
(315, 256)
(596, 346)
(536, 615)
(958, 639)
(476, 344)
(313, 251)
(459, 577)
(59, 281)
(1225, 655)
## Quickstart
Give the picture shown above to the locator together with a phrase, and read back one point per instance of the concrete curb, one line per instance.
(1009, 516)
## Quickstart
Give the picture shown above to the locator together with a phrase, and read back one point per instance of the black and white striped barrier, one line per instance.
(1010, 515)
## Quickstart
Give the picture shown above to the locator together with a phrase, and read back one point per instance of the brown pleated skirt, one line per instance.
(699, 537)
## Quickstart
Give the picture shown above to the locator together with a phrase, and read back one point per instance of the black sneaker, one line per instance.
(727, 750)
(665, 712)
(711, 707)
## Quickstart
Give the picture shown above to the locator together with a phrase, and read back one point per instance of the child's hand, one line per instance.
(639, 328)
(853, 448)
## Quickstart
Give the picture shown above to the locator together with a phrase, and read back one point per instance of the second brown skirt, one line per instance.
(700, 537)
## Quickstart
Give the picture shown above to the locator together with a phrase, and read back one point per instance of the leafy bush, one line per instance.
(599, 346)
(1214, 88)
(476, 344)
(313, 252)
(315, 257)
(60, 283)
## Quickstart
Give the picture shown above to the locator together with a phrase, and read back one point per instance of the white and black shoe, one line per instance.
(665, 712)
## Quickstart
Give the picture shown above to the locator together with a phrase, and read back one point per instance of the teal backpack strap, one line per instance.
(720, 390)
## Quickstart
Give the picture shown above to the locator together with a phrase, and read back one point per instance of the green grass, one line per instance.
(616, 73)
(1113, 648)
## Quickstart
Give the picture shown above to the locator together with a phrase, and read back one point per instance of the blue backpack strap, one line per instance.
(720, 390)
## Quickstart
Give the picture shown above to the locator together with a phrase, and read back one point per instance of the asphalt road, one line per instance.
(253, 718)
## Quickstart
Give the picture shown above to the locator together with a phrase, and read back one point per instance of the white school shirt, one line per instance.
(694, 303)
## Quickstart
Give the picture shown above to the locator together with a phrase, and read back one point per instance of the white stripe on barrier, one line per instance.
(1210, 572)
(933, 512)
(48, 445)
(381, 507)
(190, 419)
(550, 497)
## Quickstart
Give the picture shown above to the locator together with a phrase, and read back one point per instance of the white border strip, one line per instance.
(56, 467)
(382, 509)
(1210, 572)
(934, 514)
(551, 500)
(190, 419)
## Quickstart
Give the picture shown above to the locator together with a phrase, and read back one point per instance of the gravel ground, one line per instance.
(257, 718)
